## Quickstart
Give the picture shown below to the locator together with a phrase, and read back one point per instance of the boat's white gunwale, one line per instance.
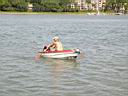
(60, 55)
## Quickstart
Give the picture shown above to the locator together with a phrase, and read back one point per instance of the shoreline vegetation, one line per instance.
(89, 7)
(57, 13)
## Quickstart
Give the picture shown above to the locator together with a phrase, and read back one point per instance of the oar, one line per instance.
(38, 56)
(81, 55)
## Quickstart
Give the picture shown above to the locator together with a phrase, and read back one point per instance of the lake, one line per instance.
(101, 69)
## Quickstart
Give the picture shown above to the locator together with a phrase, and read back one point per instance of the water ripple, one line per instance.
(101, 71)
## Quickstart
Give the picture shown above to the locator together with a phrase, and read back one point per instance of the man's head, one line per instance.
(56, 38)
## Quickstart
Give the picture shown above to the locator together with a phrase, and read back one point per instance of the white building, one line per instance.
(81, 4)
(30, 6)
(98, 4)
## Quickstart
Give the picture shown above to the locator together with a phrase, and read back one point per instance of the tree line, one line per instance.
(38, 5)
(117, 6)
(58, 5)
(13, 5)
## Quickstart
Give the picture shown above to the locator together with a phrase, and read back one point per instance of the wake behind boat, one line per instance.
(65, 54)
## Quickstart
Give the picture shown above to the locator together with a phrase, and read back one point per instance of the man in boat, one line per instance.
(55, 45)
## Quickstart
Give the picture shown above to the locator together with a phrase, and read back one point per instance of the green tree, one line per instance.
(2, 2)
(117, 5)
(22, 6)
(35, 1)
(5, 5)
(18, 5)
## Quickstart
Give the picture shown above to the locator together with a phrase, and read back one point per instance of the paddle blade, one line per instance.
(81, 56)
(38, 56)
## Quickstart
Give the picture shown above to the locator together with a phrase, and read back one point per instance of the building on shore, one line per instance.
(30, 6)
(93, 5)
(100, 4)
(81, 4)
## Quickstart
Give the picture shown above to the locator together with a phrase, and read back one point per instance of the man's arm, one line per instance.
(50, 45)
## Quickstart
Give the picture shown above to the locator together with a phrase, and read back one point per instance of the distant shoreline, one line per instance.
(38, 13)
(56, 13)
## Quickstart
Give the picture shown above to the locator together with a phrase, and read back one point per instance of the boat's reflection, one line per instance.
(57, 63)
(60, 71)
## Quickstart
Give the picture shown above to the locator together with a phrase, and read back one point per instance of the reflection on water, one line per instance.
(60, 64)
(102, 71)
(60, 68)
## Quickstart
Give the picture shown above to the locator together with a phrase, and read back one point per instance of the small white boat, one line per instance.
(65, 54)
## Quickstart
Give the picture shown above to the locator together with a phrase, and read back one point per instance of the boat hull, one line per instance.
(66, 54)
